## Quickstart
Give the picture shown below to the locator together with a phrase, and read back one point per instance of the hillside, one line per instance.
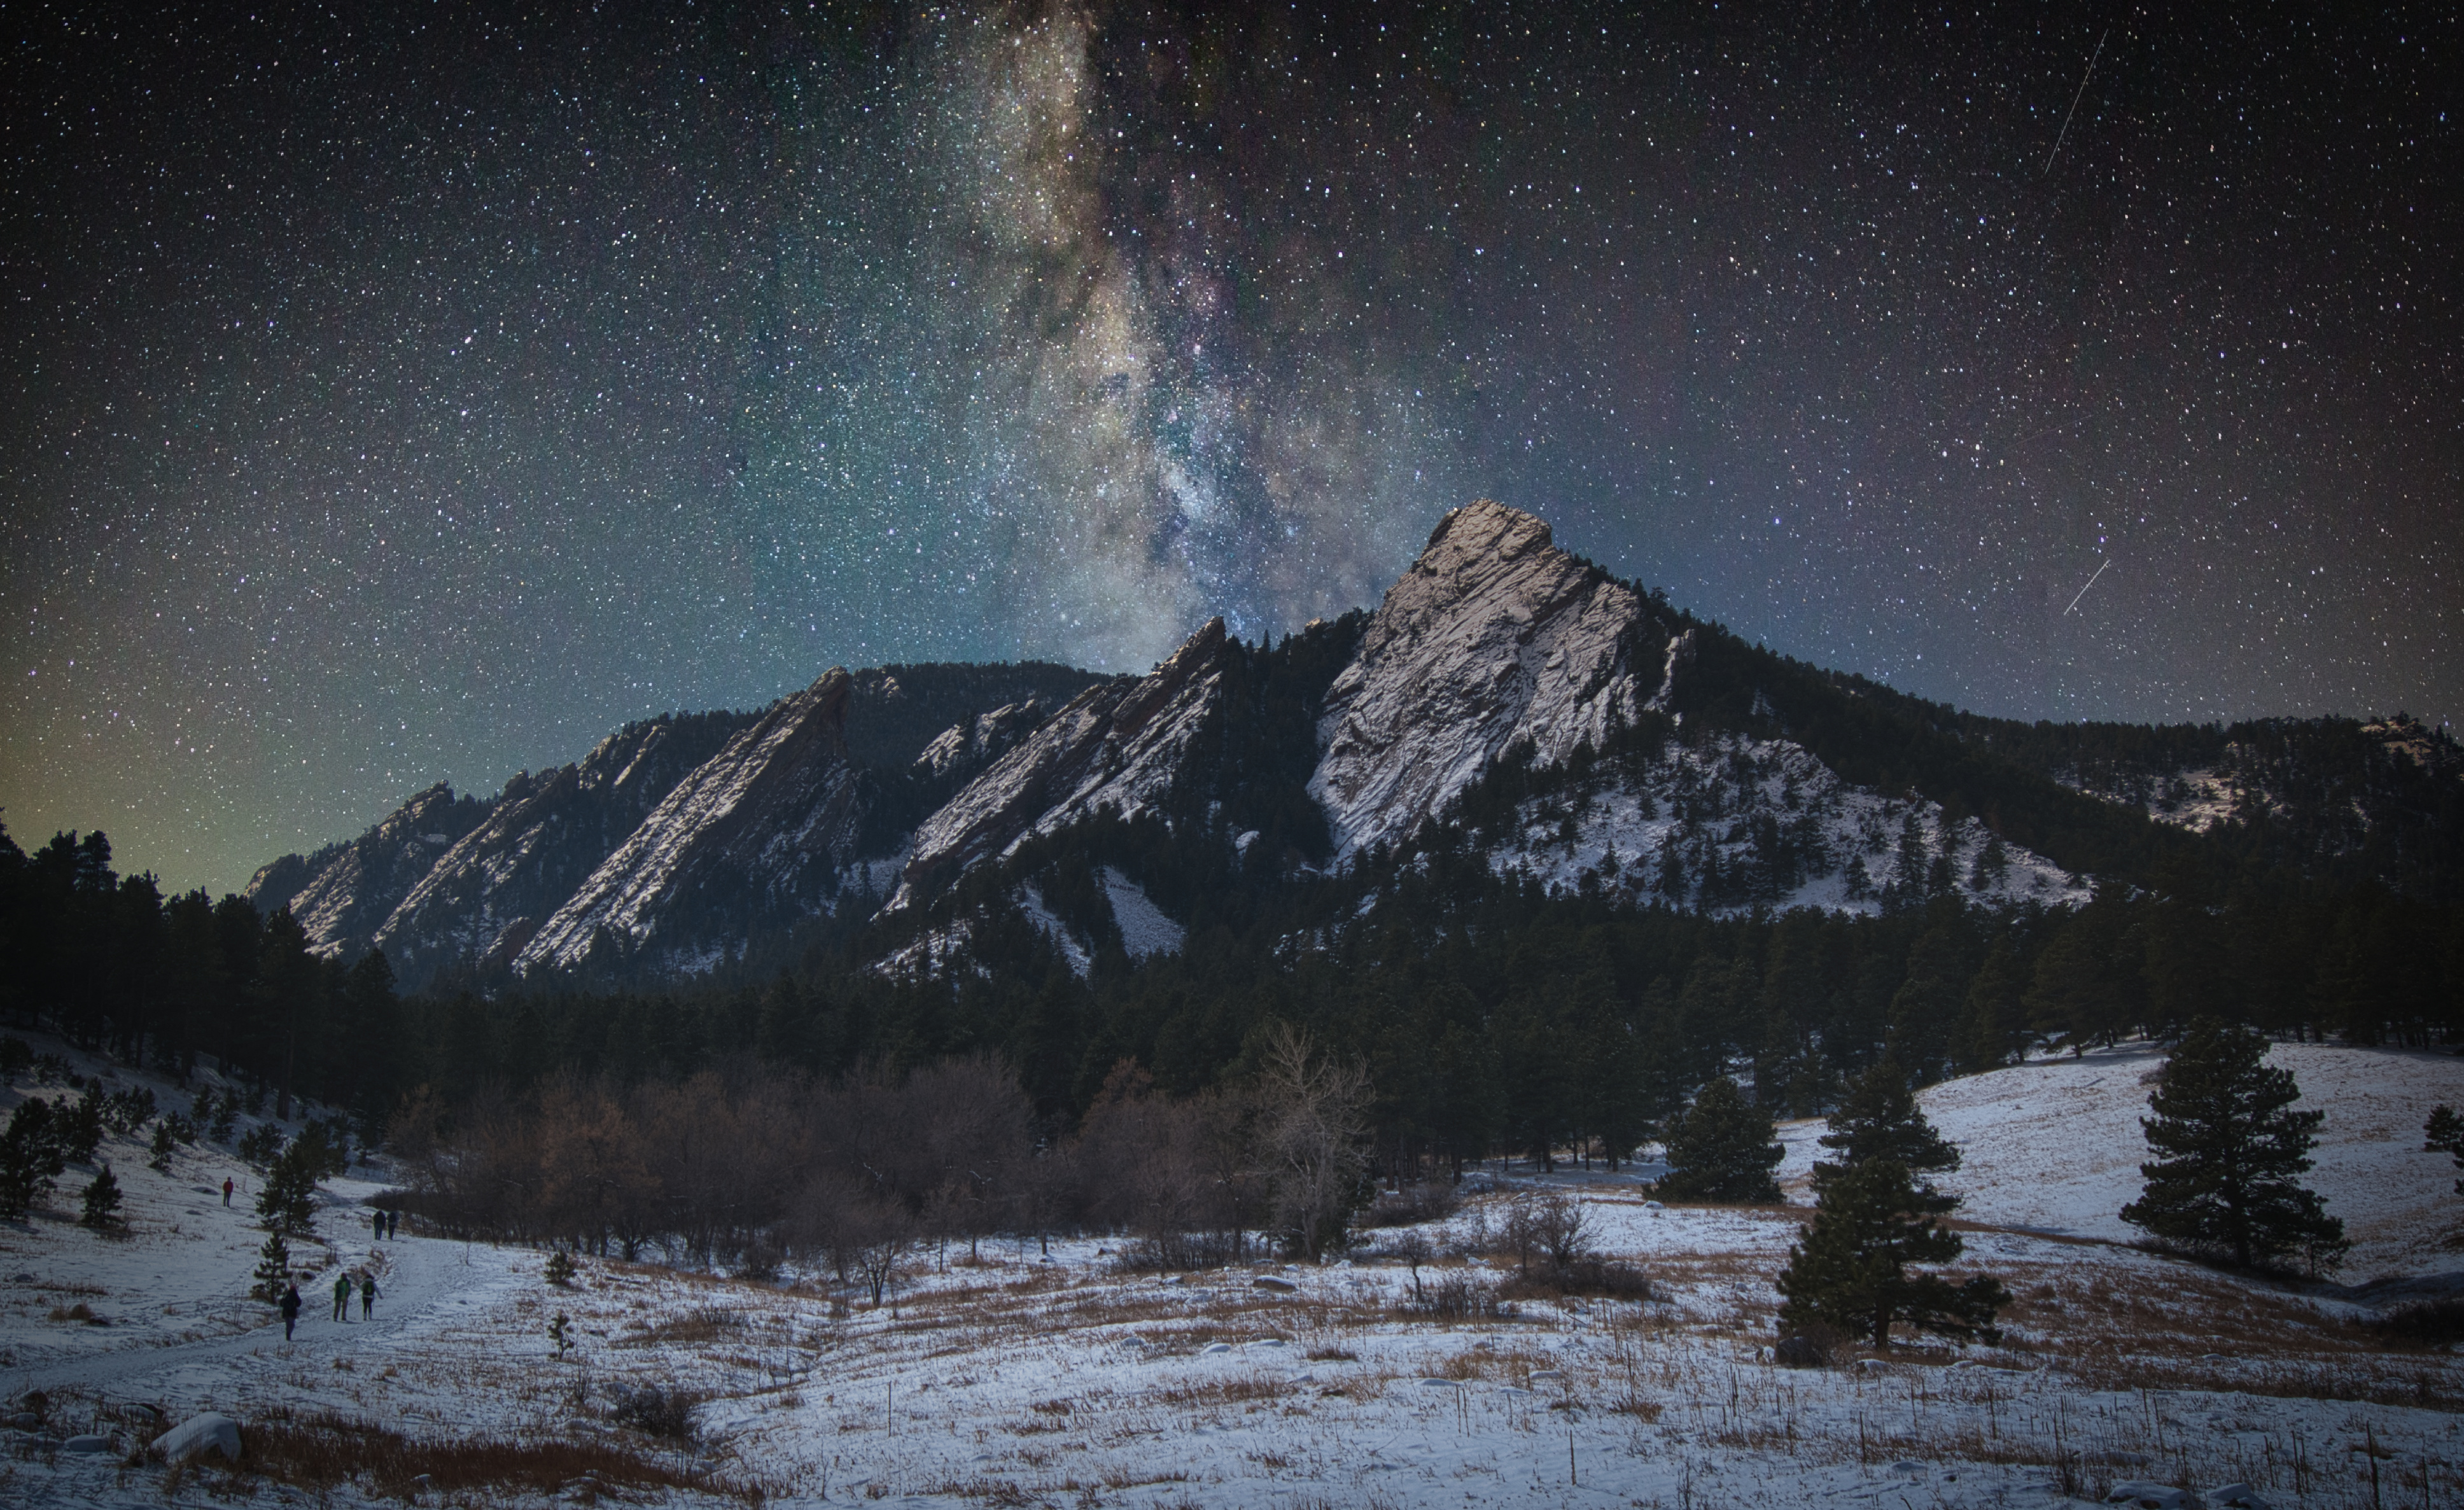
(1015, 1372)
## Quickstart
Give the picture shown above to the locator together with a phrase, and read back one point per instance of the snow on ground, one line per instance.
(1144, 929)
(1017, 1378)
(2054, 1145)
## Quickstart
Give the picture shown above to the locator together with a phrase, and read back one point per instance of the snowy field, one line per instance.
(1014, 1378)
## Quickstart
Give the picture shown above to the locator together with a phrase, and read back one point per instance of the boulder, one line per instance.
(1267, 1281)
(89, 1442)
(1799, 1352)
(2238, 1496)
(210, 1430)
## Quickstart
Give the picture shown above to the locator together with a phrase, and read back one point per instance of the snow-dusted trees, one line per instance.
(2229, 1148)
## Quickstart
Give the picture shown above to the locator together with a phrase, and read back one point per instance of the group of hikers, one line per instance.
(364, 1281)
(387, 1224)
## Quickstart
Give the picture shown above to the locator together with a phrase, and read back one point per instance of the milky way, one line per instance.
(394, 401)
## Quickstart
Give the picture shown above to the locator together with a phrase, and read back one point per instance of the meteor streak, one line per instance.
(2075, 99)
(2091, 582)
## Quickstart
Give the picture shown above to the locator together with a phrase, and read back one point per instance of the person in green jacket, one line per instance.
(342, 1296)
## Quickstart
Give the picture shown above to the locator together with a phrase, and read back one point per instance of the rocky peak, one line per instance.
(1493, 636)
(1120, 745)
(762, 828)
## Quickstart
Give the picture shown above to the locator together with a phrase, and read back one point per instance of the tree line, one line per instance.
(751, 1165)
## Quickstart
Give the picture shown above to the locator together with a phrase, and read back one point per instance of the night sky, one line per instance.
(395, 400)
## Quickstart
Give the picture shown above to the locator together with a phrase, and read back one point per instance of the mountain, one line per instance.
(343, 894)
(447, 883)
(755, 834)
(1118, 747)
(1506, 701)
(484, 897)
(1494, 637)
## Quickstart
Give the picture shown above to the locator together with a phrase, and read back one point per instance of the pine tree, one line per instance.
(1720, 1149)
(2229, 1145)
(288, 1203)
(30, 1156)
(273, 1272)
(101, 1202)
(2444, 1133)
(1881, 1119)
(1990, 1033)
(1850, 1270)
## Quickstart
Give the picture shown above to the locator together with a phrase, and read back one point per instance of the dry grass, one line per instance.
(1245, 1390)
(320, 1452)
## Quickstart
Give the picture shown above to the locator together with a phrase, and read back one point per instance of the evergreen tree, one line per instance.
(101, 1202)
(1720, 1149)
(1850, 1270)
(30, 1156)
(273, 1272)
(1995, 1022)
(1881, 1119)
(2444, 1133)
(288, 1203)
(2229, 1146)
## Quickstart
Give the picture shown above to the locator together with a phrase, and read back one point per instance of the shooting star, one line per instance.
(2091, 582)
(2075, 99)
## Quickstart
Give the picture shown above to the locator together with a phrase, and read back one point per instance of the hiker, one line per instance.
(368, 1294)
(342, 1296)
(227, 1190)
(379, 1220)
(393, 1224)
(290, 1310)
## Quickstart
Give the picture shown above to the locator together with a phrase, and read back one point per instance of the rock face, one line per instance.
(547, 834)
(965, 748)
(342, 896)
(1493, 636)
(1120, 745)
(754, 834)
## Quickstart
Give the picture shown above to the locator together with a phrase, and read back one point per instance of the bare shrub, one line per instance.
(1460, 1296)
(656, 1410)
(1411, 1205)
(1600, 1279)
(2420, 1324)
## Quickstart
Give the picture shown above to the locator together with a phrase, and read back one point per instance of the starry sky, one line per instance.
(418, 395)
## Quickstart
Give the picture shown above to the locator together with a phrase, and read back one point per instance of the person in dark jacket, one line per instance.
(290, 1310)
(377, 1220)
(368, 1294)
(393, 1225)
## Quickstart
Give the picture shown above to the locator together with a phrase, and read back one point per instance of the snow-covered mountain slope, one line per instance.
(1493, 636)
(485, 897)
(343, 895)
(758, 832)
(1731, 822)
(1119, 746)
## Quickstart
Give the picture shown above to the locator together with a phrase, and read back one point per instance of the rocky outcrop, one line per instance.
(482, 901)
(755, 834)
(965, 748)
(1120, 745)
(1494, 636)
(343, 895)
